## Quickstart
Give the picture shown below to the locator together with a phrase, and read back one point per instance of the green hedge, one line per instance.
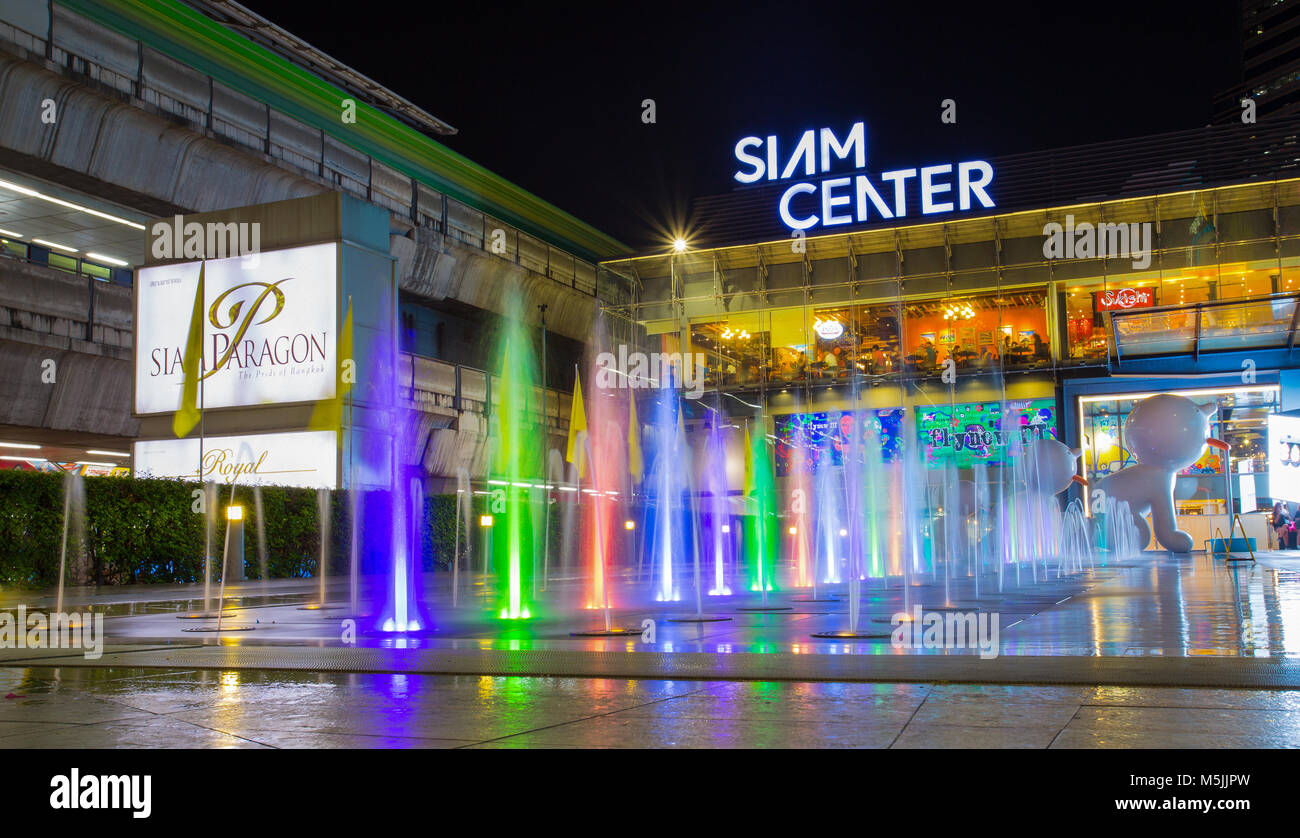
(145, 531)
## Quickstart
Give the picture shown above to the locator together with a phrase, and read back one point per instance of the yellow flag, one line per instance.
(635, 466)
(188, 415)
(577, 422)
(327, 415)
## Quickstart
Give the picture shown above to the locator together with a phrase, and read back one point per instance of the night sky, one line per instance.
(550, 96)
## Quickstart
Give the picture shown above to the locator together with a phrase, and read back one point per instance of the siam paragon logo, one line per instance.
(231, 317)
(231, 346)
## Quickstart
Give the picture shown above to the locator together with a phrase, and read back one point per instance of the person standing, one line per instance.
(1282, 524)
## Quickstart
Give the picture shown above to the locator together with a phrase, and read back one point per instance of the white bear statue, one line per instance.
(1166, 433)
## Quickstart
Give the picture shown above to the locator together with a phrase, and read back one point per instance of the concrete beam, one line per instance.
(89, 393)
(438, 268)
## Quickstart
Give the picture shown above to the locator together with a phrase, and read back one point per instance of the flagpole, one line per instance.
(208, 512)
(193, 392)
(546, 491)
(353, 569)
(634, 477)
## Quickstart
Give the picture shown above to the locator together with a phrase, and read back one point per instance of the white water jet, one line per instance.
(261, 535)
(74, 533)
(464, 507)
(209, 521)
(828, 491)
(1075, 542)
(1121, 535)
(323, 518)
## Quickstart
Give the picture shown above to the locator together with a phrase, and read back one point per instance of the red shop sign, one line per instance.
(1124, 298)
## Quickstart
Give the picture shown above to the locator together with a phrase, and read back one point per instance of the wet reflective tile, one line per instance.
(972, 714)
(122, 707)
(780, 709)
(1182, 697)
(57, 705)
(152, 732)
(316, 740)
(1094, 738)
(1010, 694)
(921, 735)
(1273, 725)
(626, 731)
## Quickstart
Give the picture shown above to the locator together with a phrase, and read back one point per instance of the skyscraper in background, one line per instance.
(1269, 42)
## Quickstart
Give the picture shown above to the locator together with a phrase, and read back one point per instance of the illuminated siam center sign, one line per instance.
(269, 329)
(857, 199)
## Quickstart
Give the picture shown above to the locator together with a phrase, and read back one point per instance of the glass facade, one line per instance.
(988, 294)
(965, 332)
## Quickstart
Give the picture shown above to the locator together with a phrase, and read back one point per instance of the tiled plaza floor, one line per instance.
(1155, 604)
(290, 682)
(98, 707)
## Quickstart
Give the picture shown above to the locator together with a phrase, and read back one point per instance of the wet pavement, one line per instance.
(1158, 604)
(1160, 609)
(96, 708)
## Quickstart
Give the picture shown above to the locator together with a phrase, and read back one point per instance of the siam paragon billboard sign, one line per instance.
(858, 198)
(303, 458)
(269, 329)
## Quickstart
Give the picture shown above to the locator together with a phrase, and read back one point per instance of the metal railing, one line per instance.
(1217, 326)
(10, 250)
(441, 387)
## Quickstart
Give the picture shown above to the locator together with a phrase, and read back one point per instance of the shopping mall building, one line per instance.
(1099, 274)
(123, 118)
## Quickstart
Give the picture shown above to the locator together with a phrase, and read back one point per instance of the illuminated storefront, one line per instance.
(1242, 416)
(937, 318)
(1241, 420)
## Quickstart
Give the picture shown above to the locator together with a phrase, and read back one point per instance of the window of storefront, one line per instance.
(1007, 330)
(849, 339)
(1241, 420)
(977, 332)
(982, 433)
(735, 349)
(798, 345)
(1088, 302)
